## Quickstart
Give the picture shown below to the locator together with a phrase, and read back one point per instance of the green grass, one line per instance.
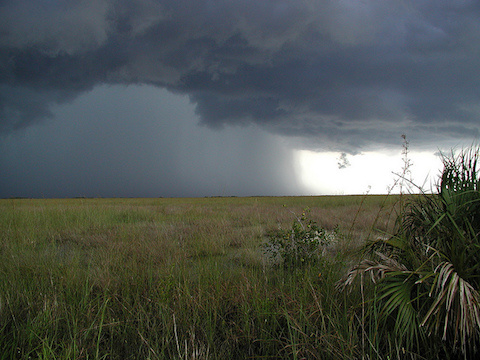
(179, 279)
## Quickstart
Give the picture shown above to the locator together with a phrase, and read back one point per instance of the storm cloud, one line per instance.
(346, 74)
(207, 97)
(140, 141)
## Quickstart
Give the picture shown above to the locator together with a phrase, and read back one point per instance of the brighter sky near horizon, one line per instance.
(370, 172)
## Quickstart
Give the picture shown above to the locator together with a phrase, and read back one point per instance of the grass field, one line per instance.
(180, 279)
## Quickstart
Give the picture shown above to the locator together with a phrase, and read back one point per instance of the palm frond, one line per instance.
(456, 308)
(427, 274)
(397, 293)
(377, 270)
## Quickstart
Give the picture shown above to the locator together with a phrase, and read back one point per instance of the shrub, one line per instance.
(302, 244)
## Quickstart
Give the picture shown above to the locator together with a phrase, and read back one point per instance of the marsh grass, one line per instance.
(177, 279)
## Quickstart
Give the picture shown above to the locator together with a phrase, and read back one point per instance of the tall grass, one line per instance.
(174, 279)
(189, 279)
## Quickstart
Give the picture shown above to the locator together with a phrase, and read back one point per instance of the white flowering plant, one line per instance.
(302, 244)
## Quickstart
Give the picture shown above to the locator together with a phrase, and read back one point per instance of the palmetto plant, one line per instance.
(427, 275)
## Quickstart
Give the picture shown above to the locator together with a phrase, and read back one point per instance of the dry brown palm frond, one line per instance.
(456, 306)
(376, 269)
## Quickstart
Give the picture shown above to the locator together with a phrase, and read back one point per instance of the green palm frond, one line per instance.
(397, 294)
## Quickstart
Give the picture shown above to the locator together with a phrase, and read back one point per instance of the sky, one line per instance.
(146, 98)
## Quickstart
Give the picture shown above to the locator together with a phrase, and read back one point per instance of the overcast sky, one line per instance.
(205, 97)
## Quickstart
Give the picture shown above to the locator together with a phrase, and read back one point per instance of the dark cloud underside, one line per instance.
(329, 70)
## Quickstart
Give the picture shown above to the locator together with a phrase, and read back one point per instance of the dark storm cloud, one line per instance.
(164, 154)
(345, 73)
